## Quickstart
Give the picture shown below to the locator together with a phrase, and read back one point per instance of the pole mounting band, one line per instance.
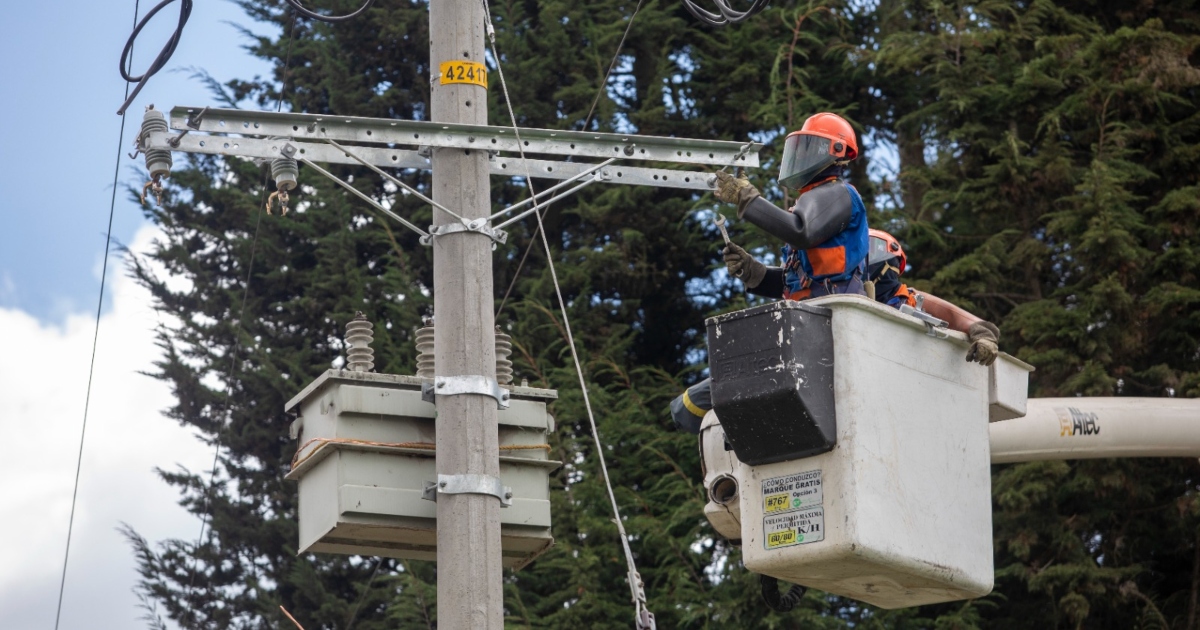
(468, 484)
(477, 225)
(471, 384)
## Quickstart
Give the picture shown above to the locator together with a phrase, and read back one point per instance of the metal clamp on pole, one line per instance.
(468, 484)
(456, 385)
(478, 225)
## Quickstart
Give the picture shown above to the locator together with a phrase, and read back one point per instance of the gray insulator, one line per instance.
(359, 355)
(425, 354)
(504, 370)
(158, 161)
(284, 170)
(425, 367)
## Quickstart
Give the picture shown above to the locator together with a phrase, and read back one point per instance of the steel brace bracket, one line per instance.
(468, 484)
(477, 225)
(457, 385)
(934, 327)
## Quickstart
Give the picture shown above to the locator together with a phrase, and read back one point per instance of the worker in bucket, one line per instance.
(886, 262)
(824, 233)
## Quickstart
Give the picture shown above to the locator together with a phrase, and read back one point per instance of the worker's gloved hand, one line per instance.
(742, 265)
(737, 190)
(983, 337)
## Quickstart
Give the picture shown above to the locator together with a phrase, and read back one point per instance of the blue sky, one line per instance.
(58, 127)
(59, 133)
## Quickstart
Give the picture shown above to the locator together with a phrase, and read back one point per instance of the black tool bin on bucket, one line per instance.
(772, 380)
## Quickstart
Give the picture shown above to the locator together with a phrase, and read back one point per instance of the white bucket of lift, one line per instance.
(898, 512)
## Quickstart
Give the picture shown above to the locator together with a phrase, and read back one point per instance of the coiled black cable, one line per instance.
(777, 601)
(727, 14)
(185, 12)
(332, 19)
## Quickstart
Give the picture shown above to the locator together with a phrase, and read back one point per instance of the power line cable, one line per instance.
(95, 339)
(587, 121)
(185, 12)
(237, 344)
(643, 617)
(362, 598)
(613, 64)
(87, 399)
(331, 19)
(726, 14)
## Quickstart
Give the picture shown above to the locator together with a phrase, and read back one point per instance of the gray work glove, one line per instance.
(737, 190)
(983, 337)
(742, 265)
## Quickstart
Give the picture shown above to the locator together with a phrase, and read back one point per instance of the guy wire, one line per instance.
(644, 618)
(87, 400)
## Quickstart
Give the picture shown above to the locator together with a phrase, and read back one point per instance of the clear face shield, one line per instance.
(804, 156)
(878, 251)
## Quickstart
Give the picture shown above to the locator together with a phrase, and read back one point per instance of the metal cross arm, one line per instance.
(461, 136)
(384, 157)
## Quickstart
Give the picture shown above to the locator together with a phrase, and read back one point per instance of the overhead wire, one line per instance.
(185, 12)
(643, 617)
(587, 121)
(164, 55)
(87, 399)
(331, 19)
(726, 14)
(237, 344)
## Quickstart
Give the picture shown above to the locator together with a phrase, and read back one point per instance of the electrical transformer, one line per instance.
(848, 449)
(365, 467)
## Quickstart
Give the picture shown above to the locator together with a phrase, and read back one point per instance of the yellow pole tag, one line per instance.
(471, 72)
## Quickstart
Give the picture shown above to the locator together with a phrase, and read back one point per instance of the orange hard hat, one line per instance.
(824, 140)
(884, 246)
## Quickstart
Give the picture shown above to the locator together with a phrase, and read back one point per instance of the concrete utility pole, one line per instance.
(470, 575)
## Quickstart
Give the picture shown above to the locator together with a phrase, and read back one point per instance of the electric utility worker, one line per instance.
(825, 232)
(886, 262)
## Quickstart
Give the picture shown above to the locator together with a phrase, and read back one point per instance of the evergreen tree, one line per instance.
(1058, 197)
(1047, 180)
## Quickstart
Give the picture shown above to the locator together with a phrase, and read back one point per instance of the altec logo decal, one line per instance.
(1072, 421)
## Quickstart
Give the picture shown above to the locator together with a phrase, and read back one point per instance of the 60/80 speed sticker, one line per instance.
(794, 528)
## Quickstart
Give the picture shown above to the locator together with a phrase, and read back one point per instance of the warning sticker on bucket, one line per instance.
(795, 528)
(792, 492)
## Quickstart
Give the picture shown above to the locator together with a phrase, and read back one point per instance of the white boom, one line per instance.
(1092, 428)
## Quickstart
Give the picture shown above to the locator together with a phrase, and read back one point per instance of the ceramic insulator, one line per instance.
(504, 370)
(359, 355)
(158, 161)
(285, 170)
(425, 367)
(425, 349)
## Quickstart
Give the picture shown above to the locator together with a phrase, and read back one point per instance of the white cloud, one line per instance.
(43, 377)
